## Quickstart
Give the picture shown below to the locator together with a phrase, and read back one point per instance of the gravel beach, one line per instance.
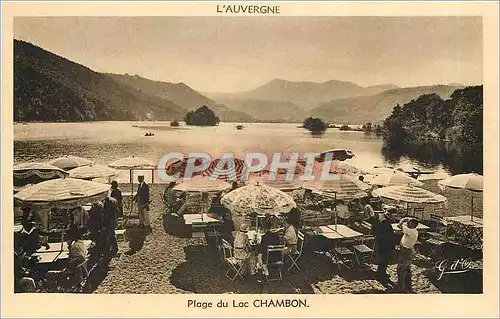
(168, 264)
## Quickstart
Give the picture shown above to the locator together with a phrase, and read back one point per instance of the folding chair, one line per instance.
(234, 265)
(274, 263)
(199, 232)
(418, 212)
(361, 251)
(120, 234)
(438, 237)
(294, 257)
(342, 254)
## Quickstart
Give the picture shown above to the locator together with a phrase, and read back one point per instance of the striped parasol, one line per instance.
(339, 167)
(395, 178)
(228, 169)
(68, 162)
(62, 193)
(258, 198)
(132, 162)
(409, 194)
(202, 184)
(345, 187)
(299, 169)
(179, 166)
(92, 171)
(40, 171)
(280, 182)
(472, 182)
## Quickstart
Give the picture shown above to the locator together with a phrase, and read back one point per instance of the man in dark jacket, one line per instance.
(111, 211)
(384, 243)
(142, 200)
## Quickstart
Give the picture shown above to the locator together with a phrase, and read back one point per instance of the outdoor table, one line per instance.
(467, 232)
(198, 218)
(336, 232)
(55, 252)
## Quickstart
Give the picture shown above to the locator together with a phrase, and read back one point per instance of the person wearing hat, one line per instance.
(385, 242)
(142, 200)
(408, 226)
(30, 237)
(116, 193)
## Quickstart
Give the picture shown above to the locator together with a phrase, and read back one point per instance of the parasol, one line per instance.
(202, 184)
(345, 187)
(472, 182)
(68, 162)
(62, 193)
(229, 169)
(92, 171)
(395, 178)
(280, 182)
(36, 172)
(258, 198)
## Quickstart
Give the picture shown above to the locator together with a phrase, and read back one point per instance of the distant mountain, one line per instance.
(359, 110)
(271, 111)
(48, 87)
(307, 95)
(182, 95)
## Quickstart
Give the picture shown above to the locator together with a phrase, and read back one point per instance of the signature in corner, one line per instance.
(458, 266)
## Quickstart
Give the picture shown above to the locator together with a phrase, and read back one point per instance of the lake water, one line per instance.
(104, 142)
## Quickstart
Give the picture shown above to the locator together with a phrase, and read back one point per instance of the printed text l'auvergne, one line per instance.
(250, 9)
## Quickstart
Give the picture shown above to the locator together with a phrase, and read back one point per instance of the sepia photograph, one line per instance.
(99, 101)
(247, 152)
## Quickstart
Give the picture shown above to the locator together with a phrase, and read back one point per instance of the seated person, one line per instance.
(30, 238)
(268, 239)
(169, 198)
(290, 238)
(76, 268)
(243, 250)
(294, 217)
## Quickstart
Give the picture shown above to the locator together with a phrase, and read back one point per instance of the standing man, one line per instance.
(384, 243)
(407, 252)
(142, 200)
(109, 224)
(116, 193)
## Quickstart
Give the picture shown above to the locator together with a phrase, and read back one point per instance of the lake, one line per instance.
(104, 142)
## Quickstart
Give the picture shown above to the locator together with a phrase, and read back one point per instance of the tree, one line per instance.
(315, 125)
(202, 116)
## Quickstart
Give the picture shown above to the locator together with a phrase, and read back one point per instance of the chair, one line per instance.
(235, 265)
(343, 255)
(199, 233)
(438, 236)
(294, 257)
(274, 263)
(361, 251)
(418, 212)
(120, 234)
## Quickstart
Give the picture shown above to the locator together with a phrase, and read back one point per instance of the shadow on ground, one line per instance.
(193, 276)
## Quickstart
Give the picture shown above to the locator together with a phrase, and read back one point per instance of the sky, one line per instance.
(230, 54)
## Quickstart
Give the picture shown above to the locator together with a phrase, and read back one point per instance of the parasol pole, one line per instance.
(472, 206)
(335, 198)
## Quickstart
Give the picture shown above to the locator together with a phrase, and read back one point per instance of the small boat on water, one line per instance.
(239, 127)
(149, 134)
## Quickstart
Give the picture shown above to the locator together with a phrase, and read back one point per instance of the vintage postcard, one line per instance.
(244, 159)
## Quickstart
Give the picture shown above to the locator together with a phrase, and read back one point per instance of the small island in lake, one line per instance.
(315, 125)
(174, 123)
(203, 116)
